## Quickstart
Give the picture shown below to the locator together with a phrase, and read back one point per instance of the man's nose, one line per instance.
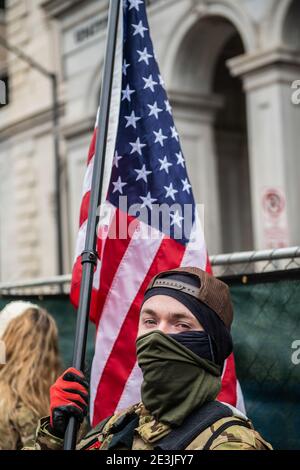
(164, 327)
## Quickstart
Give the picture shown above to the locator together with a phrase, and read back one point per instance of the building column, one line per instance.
(194, 118)
(274, 140)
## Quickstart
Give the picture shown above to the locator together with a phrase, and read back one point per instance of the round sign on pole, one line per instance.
(274, 203)
(275, 221)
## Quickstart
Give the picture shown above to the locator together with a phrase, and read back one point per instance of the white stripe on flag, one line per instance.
(195, 253)
(87, 182)
(114, 107)
(132, 390)
(96, 278)
(80, 242)
(97, 118)
(240, 403)
(224, 369)
(123, 290)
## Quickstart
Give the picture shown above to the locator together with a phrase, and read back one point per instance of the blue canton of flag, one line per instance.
(148, 166)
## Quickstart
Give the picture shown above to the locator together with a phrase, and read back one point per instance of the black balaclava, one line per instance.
(215, 342)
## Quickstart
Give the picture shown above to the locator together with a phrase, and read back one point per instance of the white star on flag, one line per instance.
(142, 174)
(135, 4)
(126, 93)
(164, 164)
(144, 56)
(132, 120)
(159, 137)
(118, 185)
(149, 83)
(116, 160)
(125, 67)
(171, 191)
(154, 110)
(137, 146)
(168, 107)
(186, 186)
(139, 29)
(180, 159)
(174, 133)
(147, 201)
(176, 219)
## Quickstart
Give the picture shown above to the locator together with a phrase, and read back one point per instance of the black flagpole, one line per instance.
(89, 256)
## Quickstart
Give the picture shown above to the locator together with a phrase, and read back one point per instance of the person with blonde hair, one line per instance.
(32, 364)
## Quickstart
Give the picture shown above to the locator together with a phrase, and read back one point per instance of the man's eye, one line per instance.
(149, 322)
(184, 326)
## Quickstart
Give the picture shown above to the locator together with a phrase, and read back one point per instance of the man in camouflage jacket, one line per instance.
(182, 343)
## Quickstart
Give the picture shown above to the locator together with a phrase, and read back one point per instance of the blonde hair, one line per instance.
(32, 363)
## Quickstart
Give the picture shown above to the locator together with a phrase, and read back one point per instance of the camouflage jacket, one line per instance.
(148, 431)
(21, 428)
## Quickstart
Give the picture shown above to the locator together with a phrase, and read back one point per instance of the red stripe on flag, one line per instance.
(229, 380)
(208, 267)
(76, 280)
(123, 356)
(84, 208)
(75, 287)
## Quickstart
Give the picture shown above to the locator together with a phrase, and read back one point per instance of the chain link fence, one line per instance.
(251, 262)
(265, 288)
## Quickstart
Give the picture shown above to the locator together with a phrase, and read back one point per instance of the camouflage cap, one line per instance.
(212, 292)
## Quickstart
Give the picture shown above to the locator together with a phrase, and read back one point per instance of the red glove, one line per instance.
(68, 397)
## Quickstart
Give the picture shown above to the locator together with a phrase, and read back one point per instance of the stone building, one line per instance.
(232, 70)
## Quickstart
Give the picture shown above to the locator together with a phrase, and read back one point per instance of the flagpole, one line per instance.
(89, 255)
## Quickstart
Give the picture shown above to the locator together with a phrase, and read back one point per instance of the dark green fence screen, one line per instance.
(267, 323)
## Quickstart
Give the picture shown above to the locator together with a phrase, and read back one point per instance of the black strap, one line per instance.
(123, 435)
(122, 430)
(179, 438)
(216, 434)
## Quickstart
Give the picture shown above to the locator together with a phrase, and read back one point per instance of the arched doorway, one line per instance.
(291, 30)
(231, 142)
(201, 76)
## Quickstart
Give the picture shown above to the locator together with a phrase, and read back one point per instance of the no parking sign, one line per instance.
(275, 219)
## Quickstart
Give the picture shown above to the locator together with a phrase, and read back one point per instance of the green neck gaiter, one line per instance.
(176, 381)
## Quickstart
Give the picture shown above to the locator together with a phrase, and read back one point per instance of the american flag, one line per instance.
(146, 169)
